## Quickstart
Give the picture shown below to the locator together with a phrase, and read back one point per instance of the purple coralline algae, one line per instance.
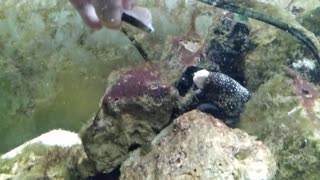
(138, 82)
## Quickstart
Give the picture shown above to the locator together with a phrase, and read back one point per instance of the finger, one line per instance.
(87, 13)
(128, 4)
(109, 12)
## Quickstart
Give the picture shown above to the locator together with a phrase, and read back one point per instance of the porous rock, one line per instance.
(57, 154)
(199, 146)
(134, 110)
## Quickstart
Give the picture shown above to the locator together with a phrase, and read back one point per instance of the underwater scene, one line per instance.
(160, 89)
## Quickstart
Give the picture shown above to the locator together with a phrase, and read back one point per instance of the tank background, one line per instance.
(54, 69)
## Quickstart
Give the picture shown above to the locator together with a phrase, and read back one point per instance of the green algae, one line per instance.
(274, 50)
(274, 116)
(311, 21)
(275, 113)
(268, 103)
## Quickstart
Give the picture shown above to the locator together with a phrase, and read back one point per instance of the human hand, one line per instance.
(111, 13)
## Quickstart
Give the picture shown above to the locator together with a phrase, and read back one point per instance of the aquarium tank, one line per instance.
(160, 89)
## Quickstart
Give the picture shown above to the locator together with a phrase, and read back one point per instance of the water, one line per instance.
(48, 79)
(54, 71)
(68, 101)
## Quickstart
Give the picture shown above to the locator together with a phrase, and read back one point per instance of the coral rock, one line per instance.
(198, 146)
(135, 108)
(57, 154)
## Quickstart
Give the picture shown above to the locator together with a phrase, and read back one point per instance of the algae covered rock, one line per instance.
(136, 107)
(311, 20)
(57, 154)
(198, 146)
(284, 114)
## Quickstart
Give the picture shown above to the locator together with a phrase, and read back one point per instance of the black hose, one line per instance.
(267, 19)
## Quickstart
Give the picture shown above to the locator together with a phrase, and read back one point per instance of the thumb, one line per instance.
(87, 13)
